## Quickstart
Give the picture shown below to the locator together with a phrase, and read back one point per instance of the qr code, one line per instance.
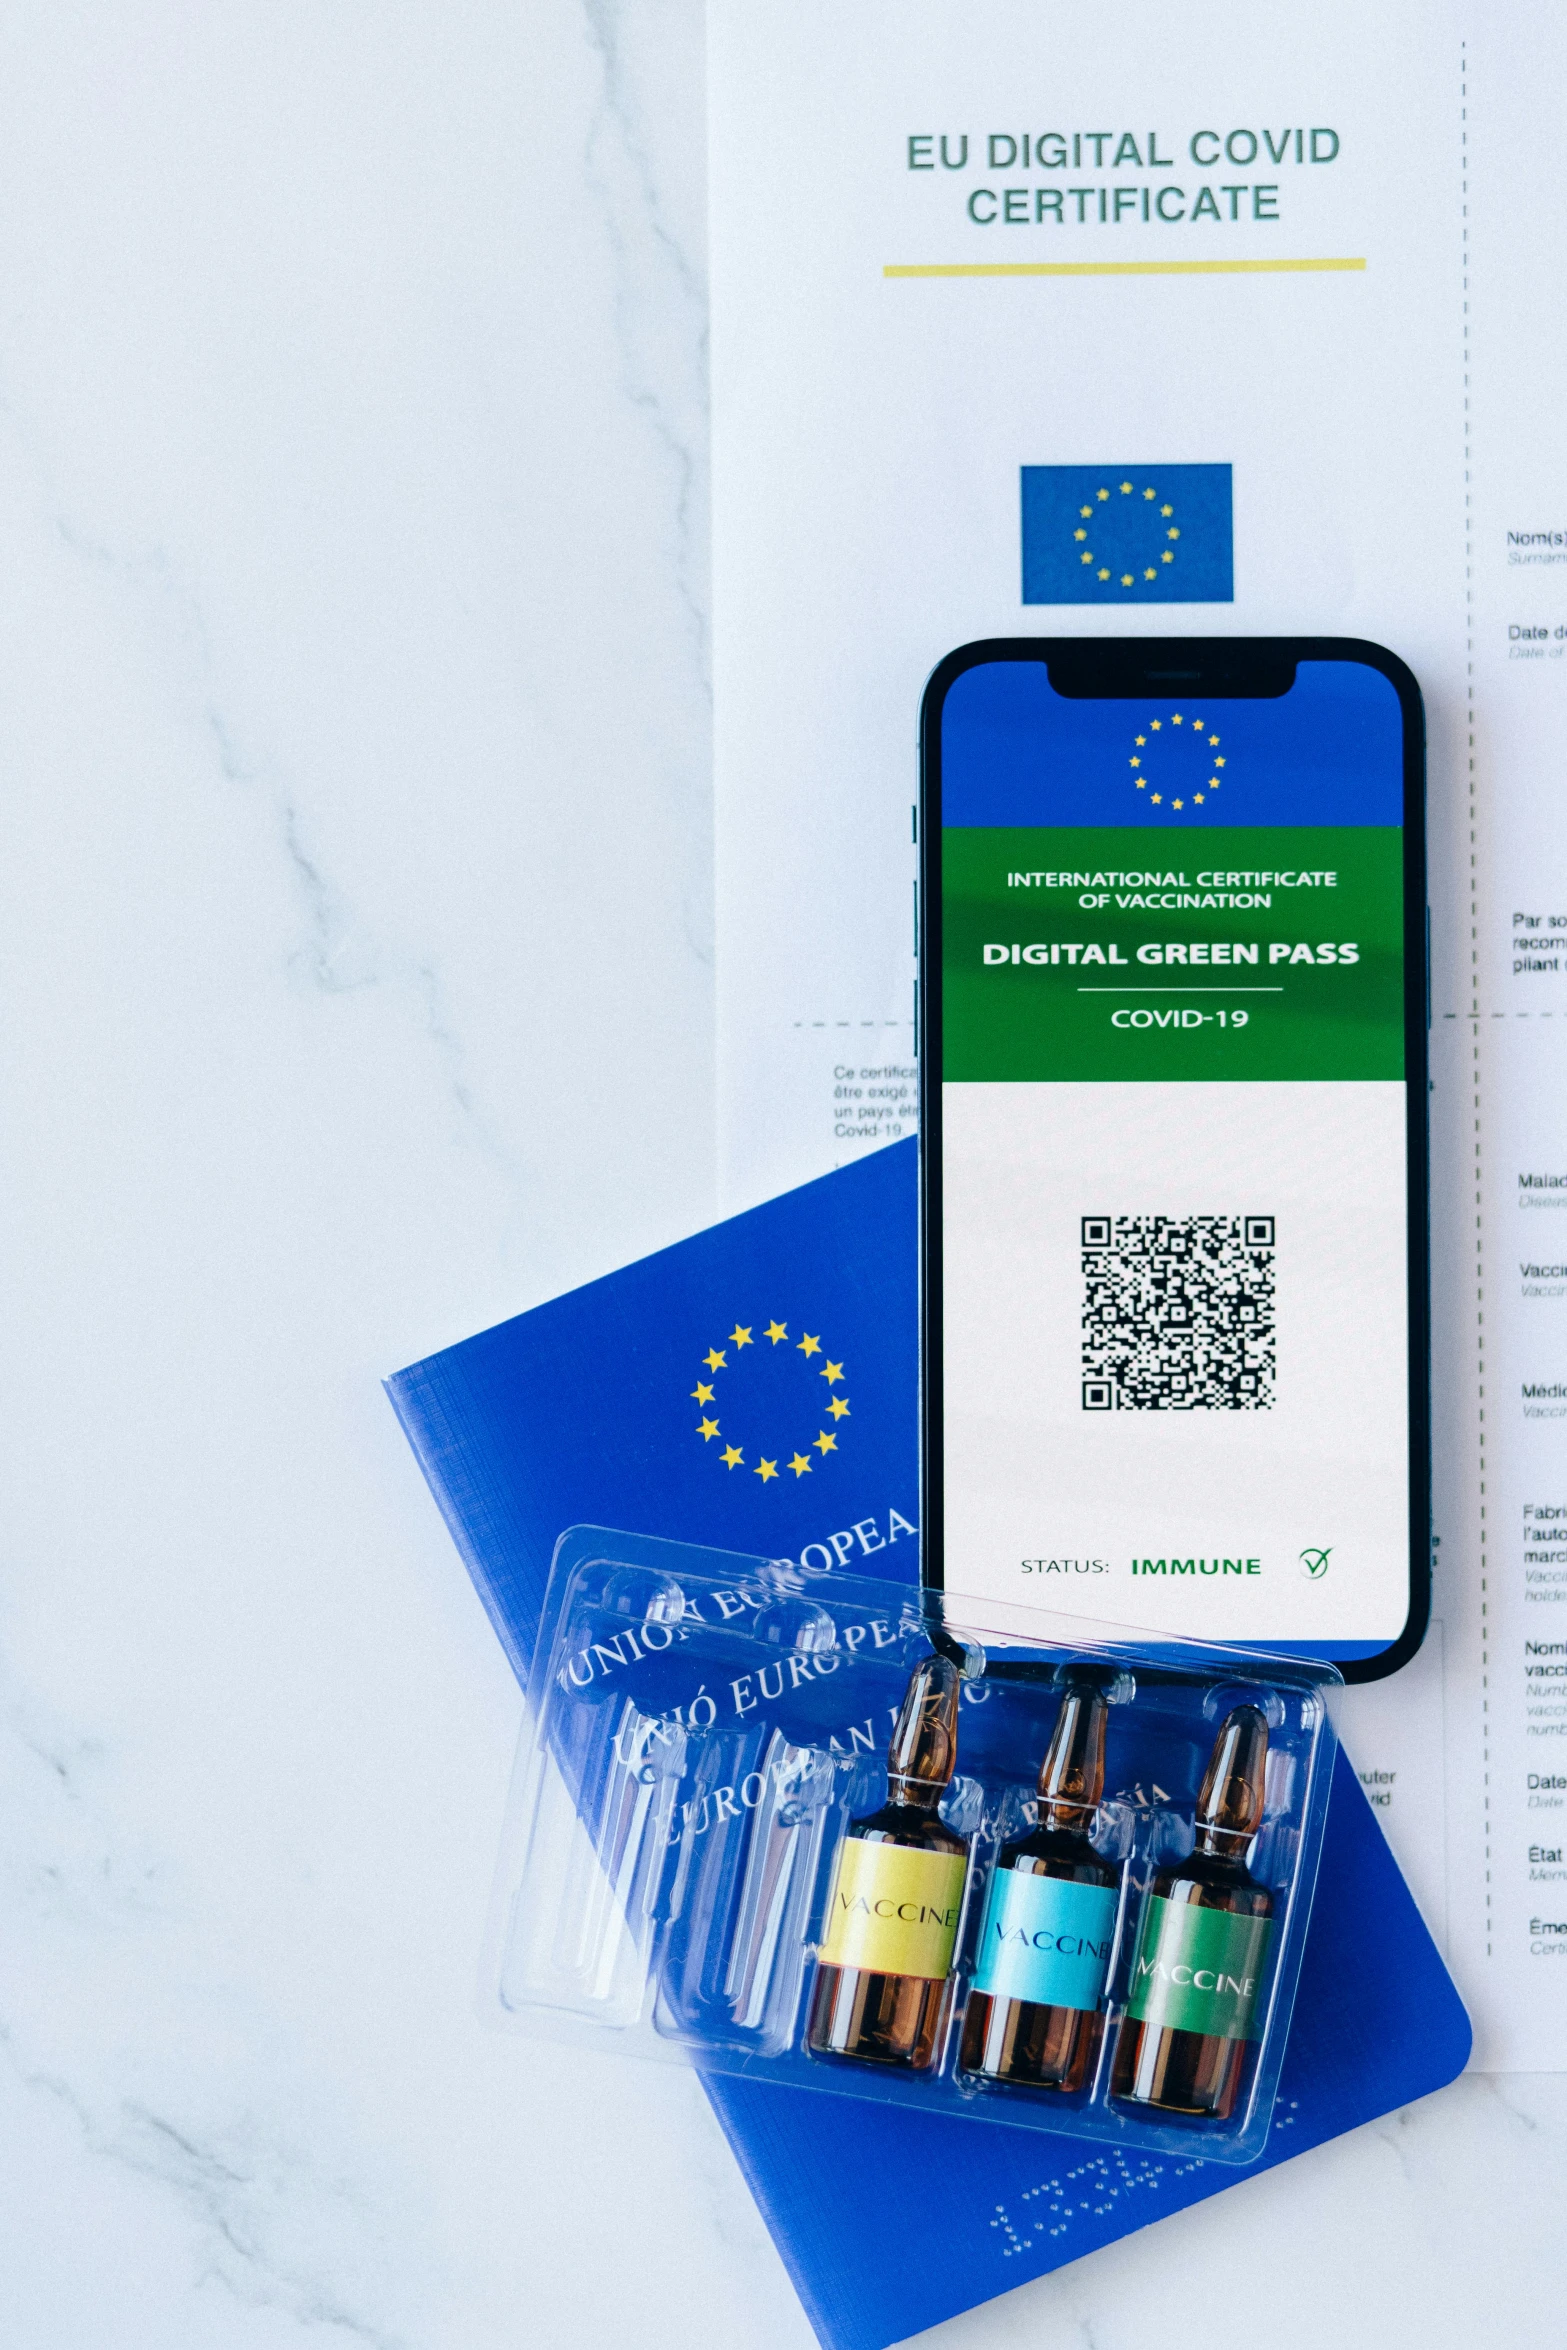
(1178, 1314)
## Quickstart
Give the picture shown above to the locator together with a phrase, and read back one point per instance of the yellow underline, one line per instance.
(1111, 268)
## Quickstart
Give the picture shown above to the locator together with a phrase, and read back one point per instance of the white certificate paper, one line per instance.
(1314, 246)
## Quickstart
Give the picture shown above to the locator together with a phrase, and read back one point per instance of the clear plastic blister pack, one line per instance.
(812, 1829)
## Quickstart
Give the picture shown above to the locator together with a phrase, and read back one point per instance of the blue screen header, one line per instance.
(1015, 752)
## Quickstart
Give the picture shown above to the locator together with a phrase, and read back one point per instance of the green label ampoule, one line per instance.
(1202, 1946)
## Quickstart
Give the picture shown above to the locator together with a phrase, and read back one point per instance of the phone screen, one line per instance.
(1174, 1036)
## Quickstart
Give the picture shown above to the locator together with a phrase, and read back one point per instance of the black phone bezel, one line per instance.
(1218, 667)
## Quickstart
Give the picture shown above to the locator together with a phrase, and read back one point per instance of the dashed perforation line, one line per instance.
(1475, 1020)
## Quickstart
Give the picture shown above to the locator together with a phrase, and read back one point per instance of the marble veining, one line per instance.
(356, 922)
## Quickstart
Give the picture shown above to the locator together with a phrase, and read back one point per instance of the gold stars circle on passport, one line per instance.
(741, 1433)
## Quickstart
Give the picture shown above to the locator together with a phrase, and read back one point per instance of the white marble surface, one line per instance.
(354, 920)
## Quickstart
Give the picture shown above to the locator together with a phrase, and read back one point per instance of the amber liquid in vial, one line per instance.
(1034, 2016)
(884, 1972)
(1202, 1946)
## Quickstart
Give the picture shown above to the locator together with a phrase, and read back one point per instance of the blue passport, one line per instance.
(690, 1396)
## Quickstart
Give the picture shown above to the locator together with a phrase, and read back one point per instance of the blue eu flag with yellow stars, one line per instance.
(1127, 535)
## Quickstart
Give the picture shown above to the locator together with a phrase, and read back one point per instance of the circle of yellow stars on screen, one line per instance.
(1160, 543)
(735, 1449)
(1159, 751)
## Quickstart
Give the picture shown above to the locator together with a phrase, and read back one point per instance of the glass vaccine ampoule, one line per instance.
(884, 1970)
(1202, 1947)
(1034, 2008)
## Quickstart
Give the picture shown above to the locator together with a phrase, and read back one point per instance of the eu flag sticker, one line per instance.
(1127, 534)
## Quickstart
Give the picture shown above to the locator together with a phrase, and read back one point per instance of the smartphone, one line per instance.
(1173, 1037)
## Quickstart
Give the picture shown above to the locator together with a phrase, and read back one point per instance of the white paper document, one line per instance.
(1317, 247)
